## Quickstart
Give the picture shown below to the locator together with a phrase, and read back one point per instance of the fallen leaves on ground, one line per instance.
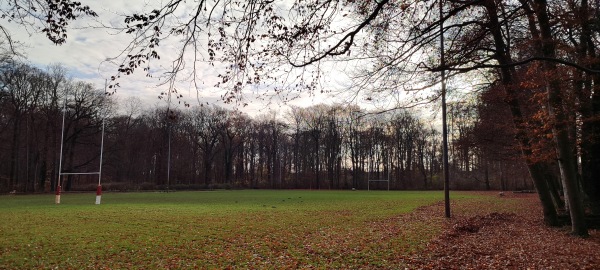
(487, 235)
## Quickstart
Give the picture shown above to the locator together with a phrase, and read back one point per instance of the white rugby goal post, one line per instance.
(379, 180)
(60, 170)
(369, 180)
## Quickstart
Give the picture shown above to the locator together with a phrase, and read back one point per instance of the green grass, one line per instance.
(212, 229)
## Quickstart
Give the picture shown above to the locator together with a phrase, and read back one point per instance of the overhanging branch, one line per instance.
(518, 63)
(345, 42)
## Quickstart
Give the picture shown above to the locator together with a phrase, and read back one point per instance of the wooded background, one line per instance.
(319, 147)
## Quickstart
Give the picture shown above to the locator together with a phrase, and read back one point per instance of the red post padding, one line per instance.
(57, 199)
(98, 194)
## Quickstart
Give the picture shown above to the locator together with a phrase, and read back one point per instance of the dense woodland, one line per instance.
(318, 147)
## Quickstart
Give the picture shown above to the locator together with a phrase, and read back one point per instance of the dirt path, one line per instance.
(489, 235)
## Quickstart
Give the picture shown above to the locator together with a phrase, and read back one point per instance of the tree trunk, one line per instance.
(508, 81)
(560, 131)
(487, 176)
(207, 165)
(553, 182)
(590, 156)
(14, 154)
(590, 130)
(317, 160)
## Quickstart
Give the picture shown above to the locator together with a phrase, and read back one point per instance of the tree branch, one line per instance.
(345, 42)
(518, 63)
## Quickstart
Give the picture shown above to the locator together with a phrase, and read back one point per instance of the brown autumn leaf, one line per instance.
(487, 235)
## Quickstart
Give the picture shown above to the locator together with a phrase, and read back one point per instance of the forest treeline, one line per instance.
(317, 147)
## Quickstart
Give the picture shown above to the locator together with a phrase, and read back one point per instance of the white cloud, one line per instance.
(89, 46)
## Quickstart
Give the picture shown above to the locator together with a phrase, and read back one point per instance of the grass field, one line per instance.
(213, 229)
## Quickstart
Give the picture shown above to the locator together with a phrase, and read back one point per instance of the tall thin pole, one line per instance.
(99, 188)
(62, 139)
(102, 139)
(444, 118)
(101, 153)
(169, 156)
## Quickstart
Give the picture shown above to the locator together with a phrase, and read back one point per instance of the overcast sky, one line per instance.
(89, 51)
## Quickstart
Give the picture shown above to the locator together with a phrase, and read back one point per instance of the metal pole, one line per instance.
(368, 174)
(389, 169)
(62, 139)
(444, 118)
(101, 153)
(169, 158)
(99, 188)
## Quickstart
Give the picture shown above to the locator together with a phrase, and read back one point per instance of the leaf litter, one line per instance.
(485, 234)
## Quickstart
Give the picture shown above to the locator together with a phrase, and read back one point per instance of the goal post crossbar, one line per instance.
(65, 173)
(378, 180)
